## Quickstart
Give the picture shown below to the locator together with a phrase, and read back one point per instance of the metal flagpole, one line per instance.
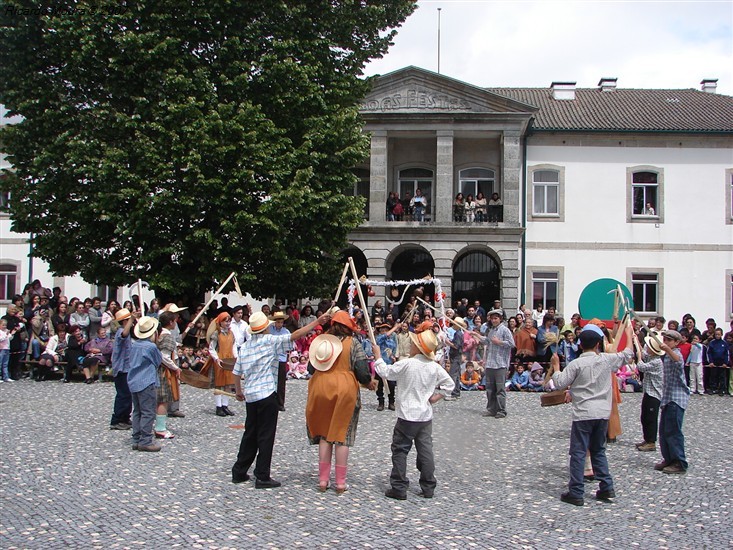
(439, 40)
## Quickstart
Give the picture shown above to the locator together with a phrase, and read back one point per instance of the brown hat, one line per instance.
(341, 317)
(426, 342)
(123, 314)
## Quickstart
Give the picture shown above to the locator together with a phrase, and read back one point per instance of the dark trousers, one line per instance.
(649, 418)
(707, 376)
(405, 432)
(282, 376)
(588, 435)
(455, 374)
(718, 380)
(258, 438)
(380, 390)
(495, 391)
(143, 415)
(671, 438)
(123, 400)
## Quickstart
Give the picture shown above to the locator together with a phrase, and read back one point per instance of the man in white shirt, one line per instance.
(417, 378)
(238, 327)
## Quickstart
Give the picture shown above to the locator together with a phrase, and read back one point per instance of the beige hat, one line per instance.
(258, 322)
(173, 308)
(279, 316)
(654, 343)
(146, 327)
(123, 314)
(324, 351)
(426, 341)
(460, 322)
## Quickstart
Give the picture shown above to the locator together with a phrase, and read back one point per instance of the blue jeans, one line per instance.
(4, 361)
(36, 349)
(671, 438)
(588, 435)
(144, 403)
(419, 213)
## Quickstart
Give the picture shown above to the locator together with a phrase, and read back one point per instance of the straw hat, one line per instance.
(324, 351)
(654, 342)
(146, 327)
(461, 322)
(426, 342)
(279, 316)
(123, 314)
(173, 308)
(258, 322)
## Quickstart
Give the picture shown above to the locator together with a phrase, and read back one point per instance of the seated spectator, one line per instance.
(519, 380)
(187, 358)
(470, 379)
(627, 379)
(54, 352)
(536, 378)
(32, 307)
(292, 365)
(61, 315)
(303, 373)
(98, 350)
(80, 319)
(201, 355)
(74, 351)
(42, 331)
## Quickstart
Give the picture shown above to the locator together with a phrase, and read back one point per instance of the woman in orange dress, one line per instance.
(221, 347)
(332, 410)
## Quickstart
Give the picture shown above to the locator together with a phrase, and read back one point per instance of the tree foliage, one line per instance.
(180, 141)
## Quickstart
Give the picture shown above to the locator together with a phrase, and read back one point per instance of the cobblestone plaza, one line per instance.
(67, 481)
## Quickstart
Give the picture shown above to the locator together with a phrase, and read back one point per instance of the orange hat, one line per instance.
(222, 317)
(342, 318)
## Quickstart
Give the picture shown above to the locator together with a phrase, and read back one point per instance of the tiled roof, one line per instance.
(686, 110)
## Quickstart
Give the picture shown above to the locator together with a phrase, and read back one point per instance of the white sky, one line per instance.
(645, 44)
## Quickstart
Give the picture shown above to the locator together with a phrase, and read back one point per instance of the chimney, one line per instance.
(709, 85)
(607, 84)
(563, 90)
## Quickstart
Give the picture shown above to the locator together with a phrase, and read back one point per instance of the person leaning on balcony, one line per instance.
(420, 204)
(458, 208)
(494, 207)
(470, 207)
(480, 207)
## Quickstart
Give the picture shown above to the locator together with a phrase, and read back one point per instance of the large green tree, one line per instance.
(181, 140)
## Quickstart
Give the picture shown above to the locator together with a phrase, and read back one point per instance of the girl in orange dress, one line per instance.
(221, 347)
(332, 409)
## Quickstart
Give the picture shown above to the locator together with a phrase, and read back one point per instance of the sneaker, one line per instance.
(605, 495)
(152, 448)
(164, 435)
(500, 415)
(565, 497)
(176, 414)
(647, 447)
(447, 398)
(659, 466)
(391, 493)
(674, 468)
(487, 414)
(380, 407)
(9, 380)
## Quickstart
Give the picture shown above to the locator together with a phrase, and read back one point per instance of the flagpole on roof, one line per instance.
(439, 40)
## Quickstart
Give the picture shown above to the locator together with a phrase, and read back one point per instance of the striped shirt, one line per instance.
(497, 356)
(257, 364)
(653, 382)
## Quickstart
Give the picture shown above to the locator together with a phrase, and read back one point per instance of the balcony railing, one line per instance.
(493, 214)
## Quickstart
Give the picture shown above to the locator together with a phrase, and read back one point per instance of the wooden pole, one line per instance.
(341, 282)
(213, 297)
(140, 296)
(370, 330)
(436, 311)
(225, 393)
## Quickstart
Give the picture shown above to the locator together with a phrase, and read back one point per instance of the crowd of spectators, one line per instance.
(51, 332)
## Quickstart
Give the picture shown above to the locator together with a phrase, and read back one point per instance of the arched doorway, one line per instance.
(476, 276)
(361, 264)
(412, 263)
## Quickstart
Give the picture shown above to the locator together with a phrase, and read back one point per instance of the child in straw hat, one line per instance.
(417, 378)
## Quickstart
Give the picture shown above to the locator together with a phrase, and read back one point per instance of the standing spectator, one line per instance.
(547, 339)
(387, 342)
(527, 340)
(694, 366)
(719, 362)
(455, 354)
(480, 208)
(238, 327)
(419, 204)
(538, 314)
(675, 397)
(277, 328)
(95, 316)
(5, 337)
(470, 208)
(459, 210)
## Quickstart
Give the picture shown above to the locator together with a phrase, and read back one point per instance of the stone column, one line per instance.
(511, 168)
(443, 194)
(378, 177)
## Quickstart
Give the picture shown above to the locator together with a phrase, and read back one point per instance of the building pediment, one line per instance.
(413, 90)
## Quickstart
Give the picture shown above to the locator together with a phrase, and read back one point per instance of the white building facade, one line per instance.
(633, 185)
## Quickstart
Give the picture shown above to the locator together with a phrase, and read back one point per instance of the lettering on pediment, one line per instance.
(412, 98)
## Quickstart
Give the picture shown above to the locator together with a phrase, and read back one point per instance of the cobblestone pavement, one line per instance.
(67, 481)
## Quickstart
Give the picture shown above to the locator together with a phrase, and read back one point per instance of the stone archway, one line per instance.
(412, 262)
(476, 276)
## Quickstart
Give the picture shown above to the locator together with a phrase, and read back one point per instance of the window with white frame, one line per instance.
(645, 292)
(8, 279)
(546, 193)
(645, 194)
(545, 289)
(412, 179)
(473, 181)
